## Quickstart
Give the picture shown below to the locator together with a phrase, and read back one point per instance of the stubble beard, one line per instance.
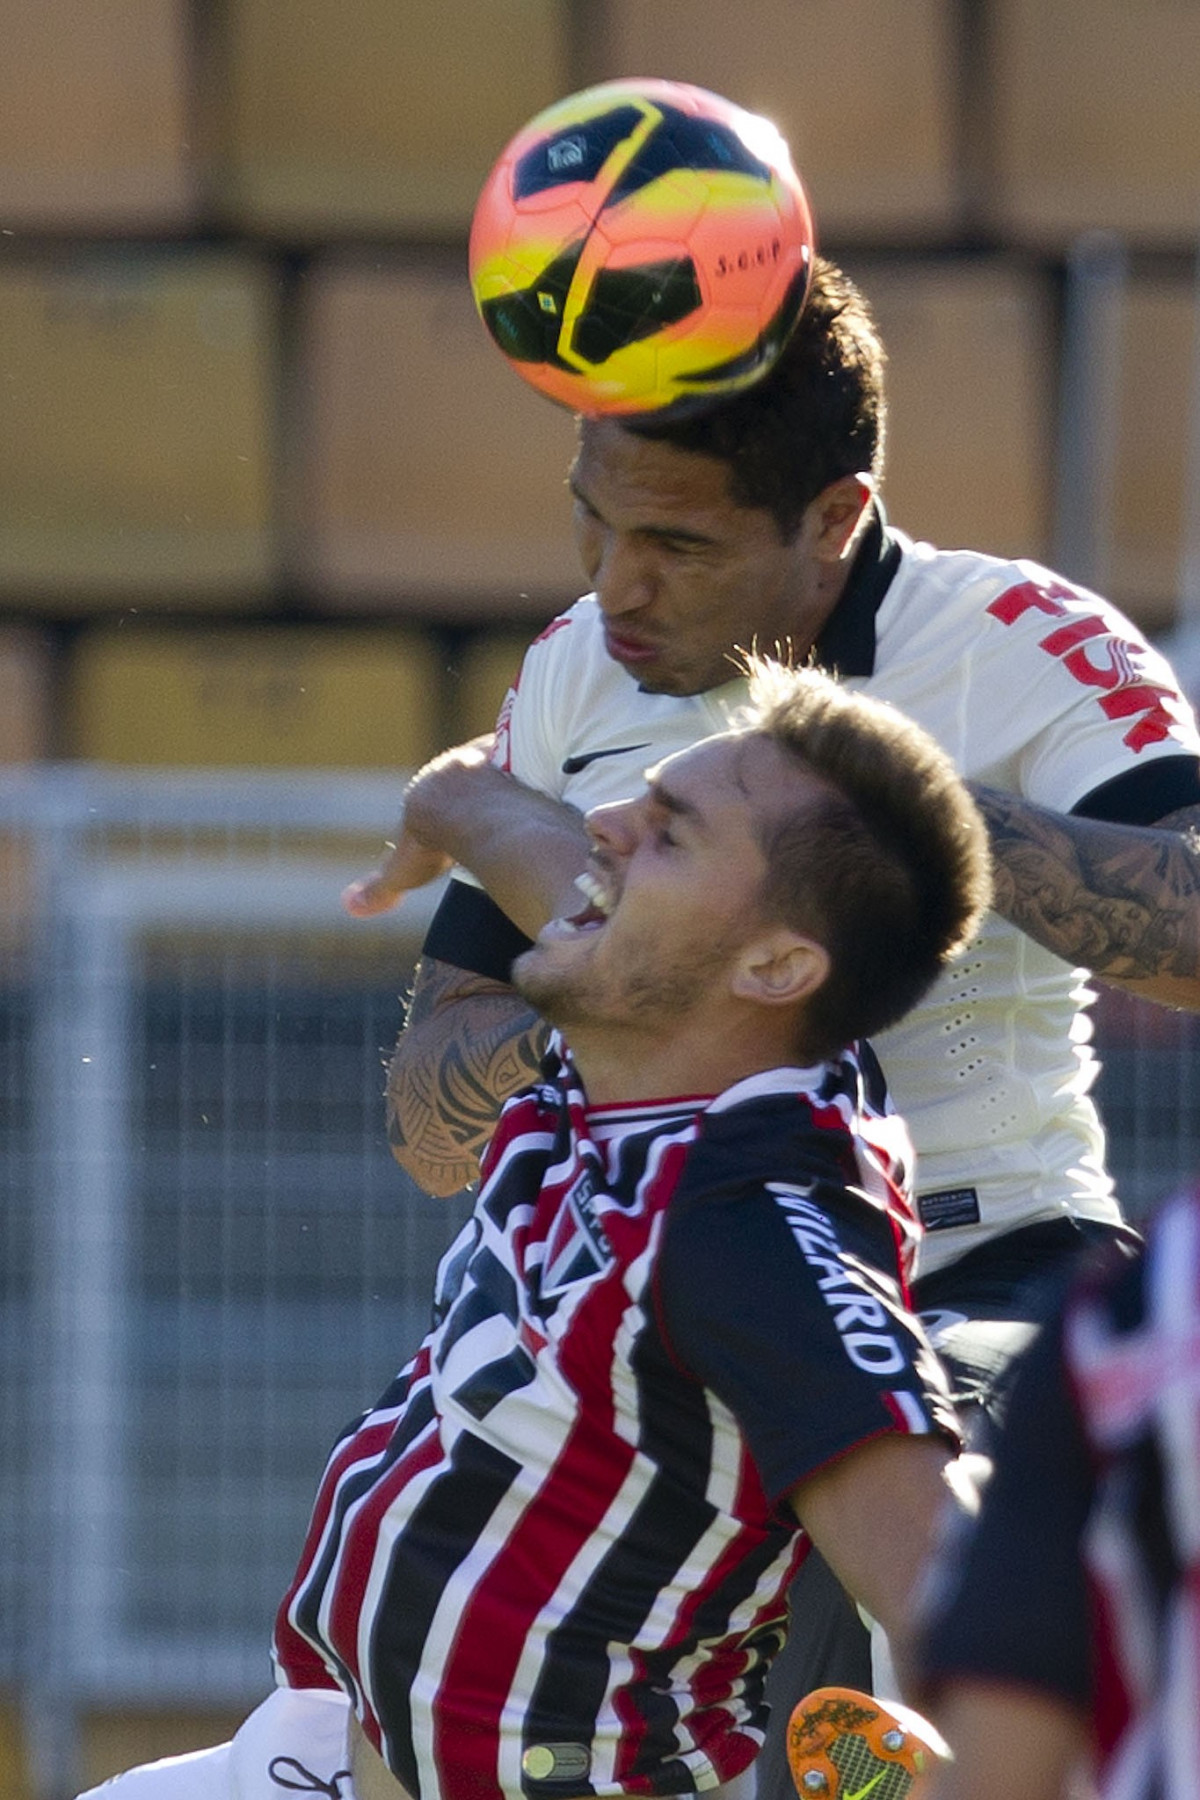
(652, 997)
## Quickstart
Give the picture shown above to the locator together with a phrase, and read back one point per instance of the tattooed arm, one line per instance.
(469, 1042)
(1120, 900)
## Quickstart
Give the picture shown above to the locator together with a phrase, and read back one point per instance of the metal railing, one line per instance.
(212, 1261)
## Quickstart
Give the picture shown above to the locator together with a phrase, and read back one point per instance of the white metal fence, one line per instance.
(209, 1260)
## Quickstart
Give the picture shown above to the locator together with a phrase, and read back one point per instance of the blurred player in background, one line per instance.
(1066, 1629)
(553, 1560)
(760, 522)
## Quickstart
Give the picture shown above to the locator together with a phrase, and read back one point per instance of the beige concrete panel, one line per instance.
(94, 115)
(1097, 117)
(971, 401)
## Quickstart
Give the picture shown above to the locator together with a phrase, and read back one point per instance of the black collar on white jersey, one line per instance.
(846, 643)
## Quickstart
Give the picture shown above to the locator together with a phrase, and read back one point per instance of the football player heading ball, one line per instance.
(756, 518)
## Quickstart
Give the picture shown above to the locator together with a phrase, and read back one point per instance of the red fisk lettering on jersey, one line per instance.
(1065, 641)
(500, 754)
(1009, 606)
(1111, 664)
(549, 630)
(1155, 722)
(1115, 667)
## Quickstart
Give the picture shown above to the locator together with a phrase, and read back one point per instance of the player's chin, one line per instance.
(681, 684)
(558, 946)
(655, 679)
(550, 977)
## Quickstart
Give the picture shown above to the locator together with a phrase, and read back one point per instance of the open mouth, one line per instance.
(598, 904)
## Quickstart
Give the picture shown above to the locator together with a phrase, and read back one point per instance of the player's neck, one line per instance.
(619, 1065)
(829, 584)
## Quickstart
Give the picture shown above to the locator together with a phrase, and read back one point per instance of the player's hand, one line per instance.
(417, 857)
(408, 864)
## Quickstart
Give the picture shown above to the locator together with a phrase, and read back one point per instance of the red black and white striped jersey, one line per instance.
(552, 1560)
(1082, 1576)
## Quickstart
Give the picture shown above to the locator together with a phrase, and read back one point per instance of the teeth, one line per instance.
(592, 891)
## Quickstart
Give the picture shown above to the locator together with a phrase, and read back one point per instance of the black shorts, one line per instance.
(986, 1307)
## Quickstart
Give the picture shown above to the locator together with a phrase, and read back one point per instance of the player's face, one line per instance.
(672, 893)
(683, 574)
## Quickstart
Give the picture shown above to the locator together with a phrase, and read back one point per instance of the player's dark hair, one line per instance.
(889, 870)
(818, 415)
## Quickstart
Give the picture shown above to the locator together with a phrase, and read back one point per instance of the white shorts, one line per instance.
(294, 1743)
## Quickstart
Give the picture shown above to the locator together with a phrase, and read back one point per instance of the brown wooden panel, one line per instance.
(1098, 117)
(480, 676)
(435, 474)
(379, 114)
(281, 697)
(94, 114)
(137, 456)
(971, 398)
(1157, 361)
(863, 93)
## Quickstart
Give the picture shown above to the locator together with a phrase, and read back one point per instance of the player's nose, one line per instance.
(622, 580)
(613, 828)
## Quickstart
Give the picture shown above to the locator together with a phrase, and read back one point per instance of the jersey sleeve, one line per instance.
(787, 1306)
(1009, 1601)
(1145, 795)
(530, 730)
(1093, 697)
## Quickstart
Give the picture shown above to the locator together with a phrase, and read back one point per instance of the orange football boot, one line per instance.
(843, 1745)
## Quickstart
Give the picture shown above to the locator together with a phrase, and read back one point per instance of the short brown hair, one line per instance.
(818, 415)
(890, 871)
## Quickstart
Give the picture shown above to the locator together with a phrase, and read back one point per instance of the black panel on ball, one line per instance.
(683, 142)
(626, 305)
(576, 153)
(526, 325)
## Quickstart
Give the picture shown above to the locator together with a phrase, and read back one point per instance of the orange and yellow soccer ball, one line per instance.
(642, 247)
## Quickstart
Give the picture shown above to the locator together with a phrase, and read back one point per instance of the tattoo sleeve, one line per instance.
(1120, 900)
(467, 1045)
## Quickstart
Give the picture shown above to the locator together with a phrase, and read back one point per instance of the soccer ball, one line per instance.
(642, 247)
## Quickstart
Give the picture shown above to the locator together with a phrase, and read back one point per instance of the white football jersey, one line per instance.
(1032, 686)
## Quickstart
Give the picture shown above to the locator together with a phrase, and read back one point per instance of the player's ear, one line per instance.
(836, 513)
(780, 968)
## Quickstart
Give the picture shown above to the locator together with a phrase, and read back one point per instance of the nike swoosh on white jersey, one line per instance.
(573, 764)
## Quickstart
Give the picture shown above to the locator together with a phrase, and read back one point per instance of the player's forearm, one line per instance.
(524, 847)
(454, 1067)
(530, 870)
(1120, 900)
